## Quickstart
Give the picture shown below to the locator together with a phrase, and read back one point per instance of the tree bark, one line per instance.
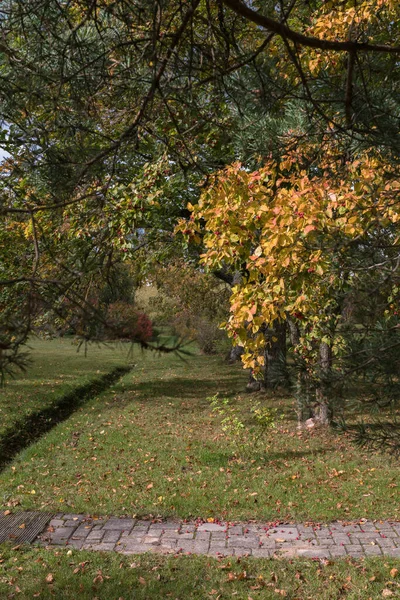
(294, 332)
(303, 388)
(275, 355)
(235, 354)
(322, 394)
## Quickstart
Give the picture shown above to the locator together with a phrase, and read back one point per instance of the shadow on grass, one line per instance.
(186, 388)
(29, 429)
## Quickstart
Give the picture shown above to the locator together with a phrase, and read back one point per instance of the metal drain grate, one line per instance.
(23, 526)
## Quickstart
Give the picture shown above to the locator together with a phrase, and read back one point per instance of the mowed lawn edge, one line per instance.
(56, 368)
(32, 426)
(151, 446)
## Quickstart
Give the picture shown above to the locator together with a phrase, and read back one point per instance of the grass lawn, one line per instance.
(56, 369)
(36, 573)
(151, 446)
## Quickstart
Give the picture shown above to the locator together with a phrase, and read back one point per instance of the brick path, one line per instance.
(131, 536)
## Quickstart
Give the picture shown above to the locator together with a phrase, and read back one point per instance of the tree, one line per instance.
(107, 108)
(316, 236)
(192, 302)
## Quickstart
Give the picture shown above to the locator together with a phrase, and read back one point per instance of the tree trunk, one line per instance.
(294, 332)
(303, 399)
(275, 355)
(303, 388)
(253, 384)
(235, 354)
(322, 394)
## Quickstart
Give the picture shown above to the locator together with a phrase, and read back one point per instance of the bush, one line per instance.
(244, 429)
(125, 322)
(192, 304)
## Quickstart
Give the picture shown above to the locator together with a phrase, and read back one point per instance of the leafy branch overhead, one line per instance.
(116, 115)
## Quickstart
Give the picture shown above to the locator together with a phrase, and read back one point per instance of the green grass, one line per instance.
(151, 446)
(36, 573)
(56, 368)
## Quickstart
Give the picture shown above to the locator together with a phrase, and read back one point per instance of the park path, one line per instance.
(131, 536)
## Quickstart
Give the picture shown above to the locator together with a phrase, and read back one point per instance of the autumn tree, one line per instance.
(317, 237)
(191, 302)
(113, 112)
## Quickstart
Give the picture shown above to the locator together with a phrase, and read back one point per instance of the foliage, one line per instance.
(316, 236)
(245, 436)
(192, 302)
(125, 322)
(113, 116)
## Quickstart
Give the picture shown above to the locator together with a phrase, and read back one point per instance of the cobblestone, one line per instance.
(128, 536)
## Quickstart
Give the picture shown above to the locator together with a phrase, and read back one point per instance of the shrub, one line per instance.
(244, 431)
(125, 322)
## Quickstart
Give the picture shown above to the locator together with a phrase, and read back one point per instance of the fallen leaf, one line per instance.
(149, 486)
(386, 593)
(394, 573)
(142, 581)
(49, 578)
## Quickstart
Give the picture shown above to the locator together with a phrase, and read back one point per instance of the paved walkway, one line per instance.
(131, 536)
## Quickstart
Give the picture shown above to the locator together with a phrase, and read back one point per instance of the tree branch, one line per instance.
(304, 40)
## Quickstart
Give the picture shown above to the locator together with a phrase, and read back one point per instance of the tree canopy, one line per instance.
(116, 114)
